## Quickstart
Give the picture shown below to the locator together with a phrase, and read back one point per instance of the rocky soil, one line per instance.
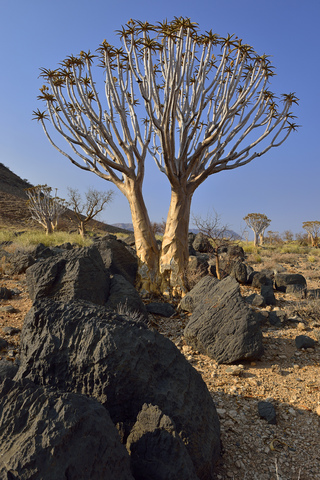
(287, 377)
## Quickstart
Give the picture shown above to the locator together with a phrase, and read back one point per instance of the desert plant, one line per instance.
(88, 209)
(258, 222)
(213, 91)
(45, 208)
(313, 228)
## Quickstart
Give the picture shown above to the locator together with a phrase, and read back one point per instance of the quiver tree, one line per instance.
(258, 222)
(313, 228)
(207, 108)
(84, 211)
(45, 208)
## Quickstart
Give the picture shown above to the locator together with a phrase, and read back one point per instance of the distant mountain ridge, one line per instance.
(129, 226)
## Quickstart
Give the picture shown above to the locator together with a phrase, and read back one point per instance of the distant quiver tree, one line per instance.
(45, 208)
(313, 229)
(207, 108)
(258, 222)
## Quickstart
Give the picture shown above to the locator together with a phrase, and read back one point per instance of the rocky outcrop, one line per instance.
(71, 274)
(53, 435)
(224, 326)
(84, 348)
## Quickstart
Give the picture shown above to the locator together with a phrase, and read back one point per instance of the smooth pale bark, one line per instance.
(174, 256)
(82, 228)
(49, 227)
(255, 241)
(147, 248)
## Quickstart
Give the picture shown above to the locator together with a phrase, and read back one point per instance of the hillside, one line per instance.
(14, 213)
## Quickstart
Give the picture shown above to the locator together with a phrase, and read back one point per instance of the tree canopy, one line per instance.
(197, 103)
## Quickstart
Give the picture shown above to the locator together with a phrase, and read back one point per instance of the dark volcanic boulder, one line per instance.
(201, 243)
(163, 309)
(201, 293)
(238, 270)
(19, 261)
(118, 257)
(124, 298)
(225, 328)
(257, 279)
(156, 450)
(82, 347)
(284, 280)
(48, 435)
(5, 293)
(268, 294)
(70, 275)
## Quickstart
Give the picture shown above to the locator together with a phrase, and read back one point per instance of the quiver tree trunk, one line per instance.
(82, 228)
(49, 227)
(147, 248)
(174, 256)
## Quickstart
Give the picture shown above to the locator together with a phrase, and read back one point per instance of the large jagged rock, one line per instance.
(224, 326)
(118, 257)
(69, 275)
(201, 293)
(82, 347)
(156, 450)
(50, 435)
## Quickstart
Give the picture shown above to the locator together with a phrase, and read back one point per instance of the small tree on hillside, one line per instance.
(258, 222)
(84, 211)
(313, 228)
(207, 108)
(45, 208)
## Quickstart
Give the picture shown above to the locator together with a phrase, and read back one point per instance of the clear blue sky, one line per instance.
(283, 184)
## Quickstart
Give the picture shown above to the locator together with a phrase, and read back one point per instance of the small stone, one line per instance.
(8, 309)
(235, 370)
(3, 343)
(318, 410)
(221, 412)
(303, 341)
(301, 326)
(267, 411)
(11, 330)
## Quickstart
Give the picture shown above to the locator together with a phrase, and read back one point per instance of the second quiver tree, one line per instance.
(45, 208)
(258, 222)
(313, 229)
(85, 211)
(207, 108)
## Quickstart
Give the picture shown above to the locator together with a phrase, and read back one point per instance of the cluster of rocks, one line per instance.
(96, 393)
(91, 367)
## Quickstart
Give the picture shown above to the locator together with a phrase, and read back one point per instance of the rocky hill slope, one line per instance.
(13, 211)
